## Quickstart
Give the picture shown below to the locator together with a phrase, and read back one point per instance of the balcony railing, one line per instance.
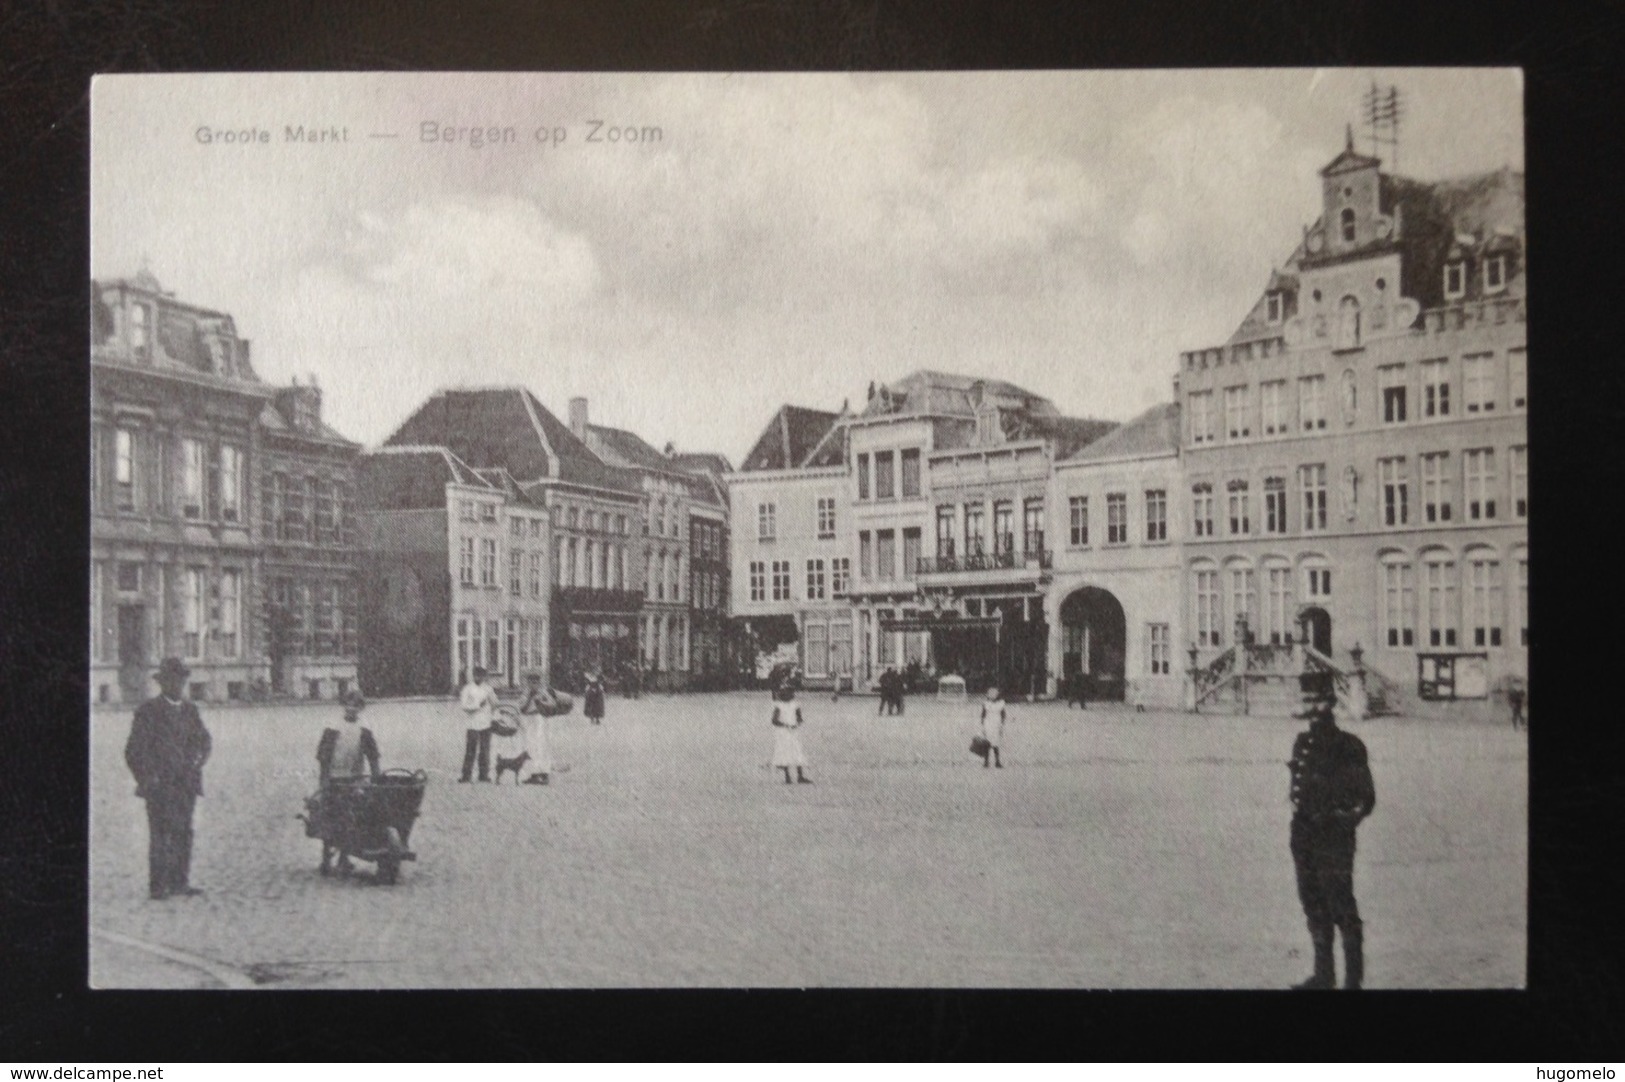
(1009, 560)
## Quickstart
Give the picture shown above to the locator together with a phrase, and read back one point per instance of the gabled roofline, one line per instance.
(541, 433)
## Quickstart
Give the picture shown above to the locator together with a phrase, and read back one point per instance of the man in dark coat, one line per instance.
(166, 751)
(1332, 792)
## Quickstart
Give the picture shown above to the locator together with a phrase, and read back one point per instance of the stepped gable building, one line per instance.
(184, 440)
(306, 490)
(791, 558)
(684, 522)
(566, 509)
(948, 483)
(1357, 452)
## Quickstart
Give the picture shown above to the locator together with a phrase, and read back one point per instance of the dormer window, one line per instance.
(987, 426)
(1274, 305)
(1455, 279)
(1347, 223)
(1495, 273)
(140, 341)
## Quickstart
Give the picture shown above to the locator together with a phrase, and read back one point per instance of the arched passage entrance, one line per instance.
(1317, 628)
(1094, 640)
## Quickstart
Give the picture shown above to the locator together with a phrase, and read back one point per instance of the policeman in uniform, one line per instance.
(1331, 793)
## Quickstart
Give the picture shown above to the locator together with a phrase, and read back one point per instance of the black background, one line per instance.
(1574, 1009)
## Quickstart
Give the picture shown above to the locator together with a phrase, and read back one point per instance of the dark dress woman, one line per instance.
(593, 705)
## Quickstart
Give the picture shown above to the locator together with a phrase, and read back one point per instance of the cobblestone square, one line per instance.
(1115, 850)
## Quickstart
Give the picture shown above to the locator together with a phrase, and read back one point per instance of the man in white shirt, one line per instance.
(477, 699)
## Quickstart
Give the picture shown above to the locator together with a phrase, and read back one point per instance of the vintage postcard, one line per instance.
(995, 529)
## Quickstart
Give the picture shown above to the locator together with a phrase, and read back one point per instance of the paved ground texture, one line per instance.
(1115, 850)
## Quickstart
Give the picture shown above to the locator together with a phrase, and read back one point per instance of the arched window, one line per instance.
(1242, 583)
(1486, 598)
(1278, 612)
(1520, 593)
(1398, 600)
(1439, 611)
(1347, 220)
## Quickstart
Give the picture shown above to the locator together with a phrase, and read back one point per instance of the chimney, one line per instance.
(578, 417)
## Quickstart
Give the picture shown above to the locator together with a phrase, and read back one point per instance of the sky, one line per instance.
(762, 239)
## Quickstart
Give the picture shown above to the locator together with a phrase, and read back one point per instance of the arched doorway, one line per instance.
(1317, 627)
(1094, 640)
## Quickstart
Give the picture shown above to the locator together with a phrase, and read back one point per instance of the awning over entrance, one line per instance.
(941, 623)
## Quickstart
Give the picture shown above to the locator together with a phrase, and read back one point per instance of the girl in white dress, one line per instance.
(534, 711)
(787, 751)
(993, 715)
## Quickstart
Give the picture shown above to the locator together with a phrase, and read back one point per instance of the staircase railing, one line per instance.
(1214, 677)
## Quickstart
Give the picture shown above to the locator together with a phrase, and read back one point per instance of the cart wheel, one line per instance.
(389, 867)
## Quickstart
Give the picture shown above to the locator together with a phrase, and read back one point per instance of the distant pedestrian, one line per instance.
(1515, 699)
(593, 697)
(1076, 691)
(787, 751)
(993, 719)
(1331, 793)
(478, 700)
(349, 751)
(166, 751)
(539, 705)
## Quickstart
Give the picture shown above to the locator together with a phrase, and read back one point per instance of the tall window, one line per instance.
(193, 471)
(1518, 467)
(1439, 589)
(911, 552)
(973, 529)
(140, 339)
(815, 580)
(1317, 581)
(488, 562)
(124, 468)
(193, 617)
(231, 483)
(1272, 401)
(1399, 602)
(885, 554)
(516, 573)
(781, 580)
(863, 476)
(660, 573)
(1235, 412)
(840, 576)
(1003, 526)
(1484, 598)
(1436, 388)
(1117, 518)
(758, 580)
(536, 574)
(1240, 520)
(1345, 222)
(1273, 307)
(1391, 378)
(465, 511)
(493, 645)
(1202, 509)
(1478, 382)
(1244, 595)
(1161, 652)
(1312, 483)
(1275, 505)
(1032, 526)
(1312, 402)
(1348, 323)
(1518, 378)
(826, 516)
(1436, 486)
(1395, 484)
(1523, 600)
(1209, 618)
(231, 612)
(1495, 273)
(885, 478)
(1156, 514)
(1201, 417)
(465, 568)
(1481, 487)
(1078, 512)
(945, 530)
(1278, 602)
(767, 515)
(910, 463)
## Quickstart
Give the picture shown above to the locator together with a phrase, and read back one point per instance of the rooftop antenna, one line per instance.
(1383, 108)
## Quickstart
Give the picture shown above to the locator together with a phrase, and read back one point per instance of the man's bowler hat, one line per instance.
(171, 666)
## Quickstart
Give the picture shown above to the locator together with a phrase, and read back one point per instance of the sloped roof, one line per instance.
(789, 439)
(623, 448)
(702, 462)
(929, 392)
(271, 420)
(412, 477)
(1156, 431)
(1069, 434)
(508, 427)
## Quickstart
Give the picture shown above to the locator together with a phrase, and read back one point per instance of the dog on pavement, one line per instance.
(516, 764)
